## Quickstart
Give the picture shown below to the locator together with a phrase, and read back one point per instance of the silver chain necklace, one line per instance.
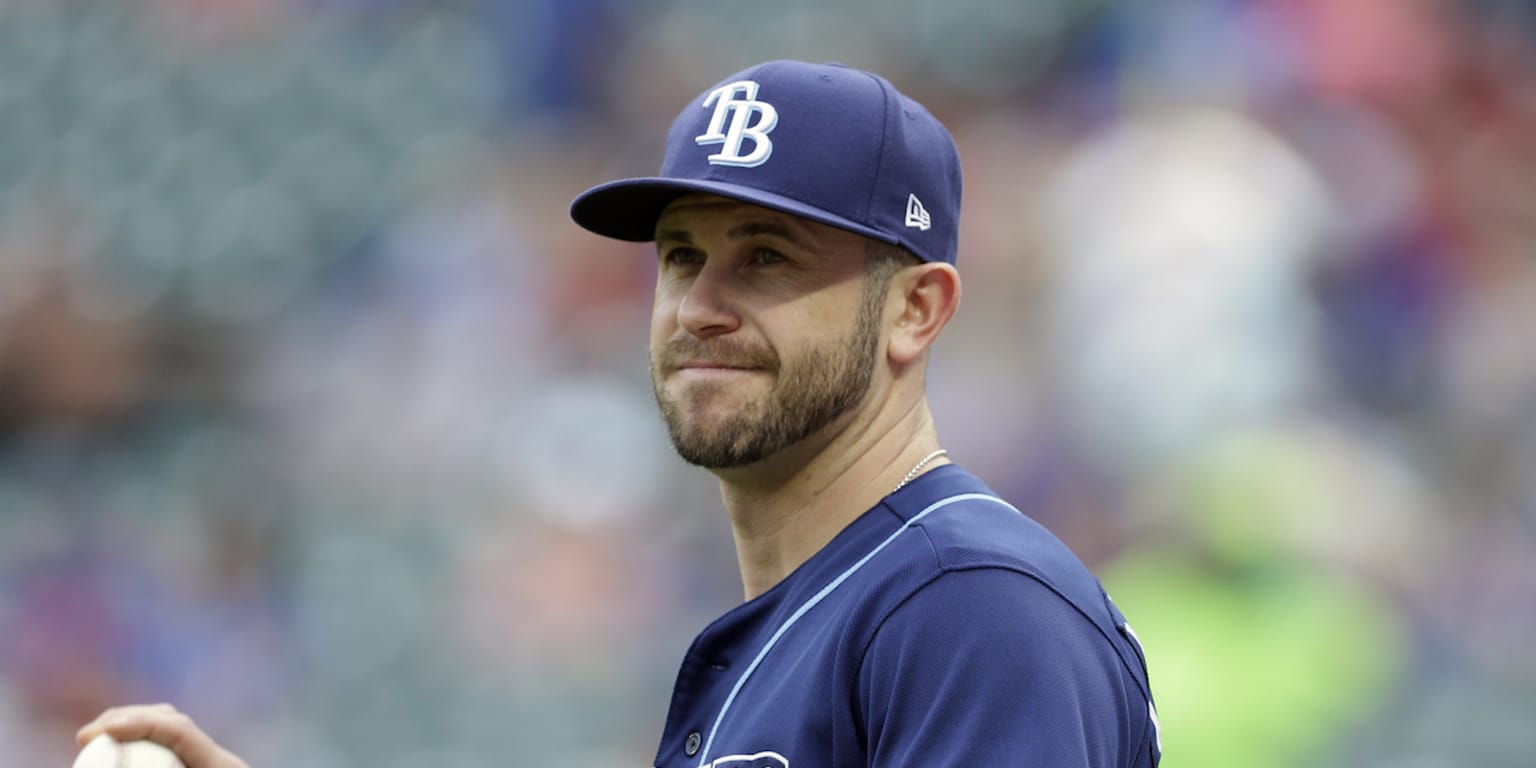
(923, 462)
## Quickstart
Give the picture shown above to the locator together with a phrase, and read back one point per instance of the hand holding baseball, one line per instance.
(149, 736)
(107, 752)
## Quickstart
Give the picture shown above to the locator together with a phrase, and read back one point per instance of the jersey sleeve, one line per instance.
(991, 667)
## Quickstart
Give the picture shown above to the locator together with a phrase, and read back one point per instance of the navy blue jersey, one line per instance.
(941, 628)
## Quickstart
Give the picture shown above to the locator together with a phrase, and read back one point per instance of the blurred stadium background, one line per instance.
(319, 419)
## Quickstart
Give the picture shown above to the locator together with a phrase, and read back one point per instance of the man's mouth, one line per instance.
(713, 368)
(714, 364)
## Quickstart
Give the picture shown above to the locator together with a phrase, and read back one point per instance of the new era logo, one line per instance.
(917, 215)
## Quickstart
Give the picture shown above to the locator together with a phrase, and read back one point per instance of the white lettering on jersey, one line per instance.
(759, 760)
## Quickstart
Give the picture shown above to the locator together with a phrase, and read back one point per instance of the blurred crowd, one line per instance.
(320, 420)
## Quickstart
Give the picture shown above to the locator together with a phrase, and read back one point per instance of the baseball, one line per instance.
(105, 752)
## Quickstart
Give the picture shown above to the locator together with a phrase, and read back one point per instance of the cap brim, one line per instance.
(629, 208)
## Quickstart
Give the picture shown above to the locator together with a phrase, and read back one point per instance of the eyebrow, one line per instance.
(741, 231)
(770, 228)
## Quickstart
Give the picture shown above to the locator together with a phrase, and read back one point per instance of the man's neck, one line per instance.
(788, 507)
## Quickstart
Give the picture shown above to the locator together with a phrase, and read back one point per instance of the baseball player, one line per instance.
(897, 613)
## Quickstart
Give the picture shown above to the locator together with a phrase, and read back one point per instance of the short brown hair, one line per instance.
(883, 260)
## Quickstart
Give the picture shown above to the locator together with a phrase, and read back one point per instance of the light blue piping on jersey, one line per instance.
(818, 597)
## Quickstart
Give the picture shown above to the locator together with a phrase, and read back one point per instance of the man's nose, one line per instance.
(708, 306)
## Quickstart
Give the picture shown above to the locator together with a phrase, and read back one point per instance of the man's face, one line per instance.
(764, 329)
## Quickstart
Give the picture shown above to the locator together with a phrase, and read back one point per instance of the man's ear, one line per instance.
(927, 296)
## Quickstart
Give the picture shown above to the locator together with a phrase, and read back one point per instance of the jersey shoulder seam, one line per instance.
(942, 569)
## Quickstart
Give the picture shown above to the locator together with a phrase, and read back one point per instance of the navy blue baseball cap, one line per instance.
(825, 142)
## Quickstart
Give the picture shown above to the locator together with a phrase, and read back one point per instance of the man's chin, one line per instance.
(714, 456)
(713, 436)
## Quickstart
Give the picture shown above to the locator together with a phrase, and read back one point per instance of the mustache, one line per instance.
(728, 352)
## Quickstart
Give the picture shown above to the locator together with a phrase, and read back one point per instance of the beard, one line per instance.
(810, 391)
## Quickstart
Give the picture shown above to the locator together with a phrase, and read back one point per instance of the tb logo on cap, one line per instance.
(748, 119)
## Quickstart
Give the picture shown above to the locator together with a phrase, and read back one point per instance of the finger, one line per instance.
(98, 726)
(164, 725)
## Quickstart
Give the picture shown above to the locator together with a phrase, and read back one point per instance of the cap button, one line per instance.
(691, 746)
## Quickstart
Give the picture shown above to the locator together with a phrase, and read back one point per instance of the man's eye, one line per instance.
(767, 256)
(683, 257)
